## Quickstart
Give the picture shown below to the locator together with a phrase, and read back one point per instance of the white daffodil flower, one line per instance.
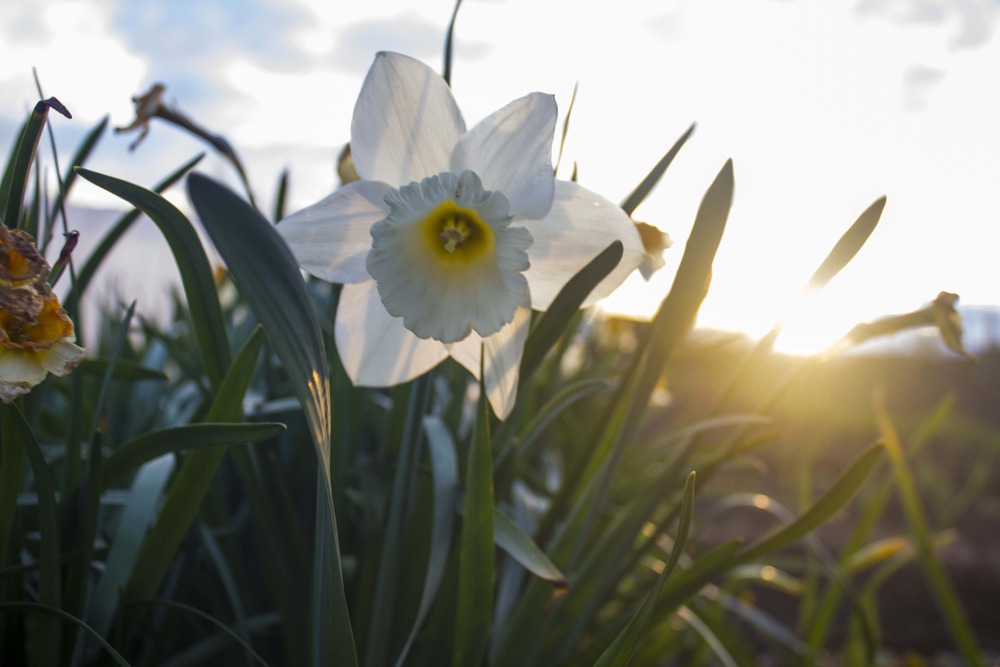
(451, 237)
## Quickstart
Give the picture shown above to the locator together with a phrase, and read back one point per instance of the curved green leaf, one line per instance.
(48, 609)
(18, 172)
(848, 246)
(97, 257)
(193, 480)
(149, 446)
(642, 190)
(277, 296)
(551, 324)
(196, 272)
(519, 545)
(620, 652)
(48, 633)
(475, 564)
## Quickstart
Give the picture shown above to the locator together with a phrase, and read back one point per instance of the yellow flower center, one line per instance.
(456, 235)
(49, 327)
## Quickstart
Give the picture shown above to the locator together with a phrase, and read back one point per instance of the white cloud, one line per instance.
(77, 54)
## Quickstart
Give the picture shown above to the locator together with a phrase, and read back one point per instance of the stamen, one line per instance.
(454, 231)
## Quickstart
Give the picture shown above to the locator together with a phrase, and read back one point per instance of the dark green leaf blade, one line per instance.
(847, 246)
(642, 190)
(519, 545)
(550, 326)
(196, 272)
(20, 170)
(475, 567)
(149, 446)
(278, 298)
(620, 652)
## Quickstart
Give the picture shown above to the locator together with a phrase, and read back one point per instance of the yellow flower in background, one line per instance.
(36, 334)
(450, 237)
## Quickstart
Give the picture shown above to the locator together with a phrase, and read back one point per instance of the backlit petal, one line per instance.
(406, 122)
(375, 349)
(19, 372)
(580, 225)
(503, 352)
(331, 238)
(62, 357)
(511, 151)
(503, 359)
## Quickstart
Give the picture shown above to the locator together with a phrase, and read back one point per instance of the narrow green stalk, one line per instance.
(380, 637)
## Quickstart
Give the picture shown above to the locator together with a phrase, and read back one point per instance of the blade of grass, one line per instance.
(475, 566)
(548, 329)
(391, 561)
(196, 273)
(48, 609)
(519, 545)
(444, 470)
(100, 253)
(642, 190)
(148, 446)
(48, 633)
(79, 158)
(449, 41)
(937, 578)
(619, 654)
(279, 300)
(848, 246)
(21, 169)
(192, 481)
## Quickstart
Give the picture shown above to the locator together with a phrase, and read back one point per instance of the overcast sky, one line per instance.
(823, 107)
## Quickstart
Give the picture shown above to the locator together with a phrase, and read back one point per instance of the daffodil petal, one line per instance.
(503, 352)
(503, 359)
(375, 348)
(511, 151)
(580, 225)
(331, 238)
(406, 122)
(62, 357)
(20, 370)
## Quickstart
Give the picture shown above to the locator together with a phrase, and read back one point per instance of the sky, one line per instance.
(823, 107)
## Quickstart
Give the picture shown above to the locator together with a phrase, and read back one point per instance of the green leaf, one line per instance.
(552, 323)
(620, 652)
(16, 178)
(11, 481)
(196, 272)
(642, 190)
(97, 257)
(48, 632)
(392, 559)
(848, 484)
(148, 446)
(519, 545)
(123, 370)
(48, 609)
(848, 246)
(444, 472)
(126, 544)
(278, 298)
(937, 578)
(448, 42)
(475, 566)
(79, 158)
(192, 481)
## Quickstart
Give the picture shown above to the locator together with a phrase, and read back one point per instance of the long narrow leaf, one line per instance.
(100, 253)
(642, 190)
(48, 609)
(848, 246)
(148, 446)
(550, 326)
(196, 272)
(519, 545)
(620, 652)
(475, 567)
(20, 171)
(48, 633)
(278, 298)
(79, 158)
(444, 470)
(192, 481)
